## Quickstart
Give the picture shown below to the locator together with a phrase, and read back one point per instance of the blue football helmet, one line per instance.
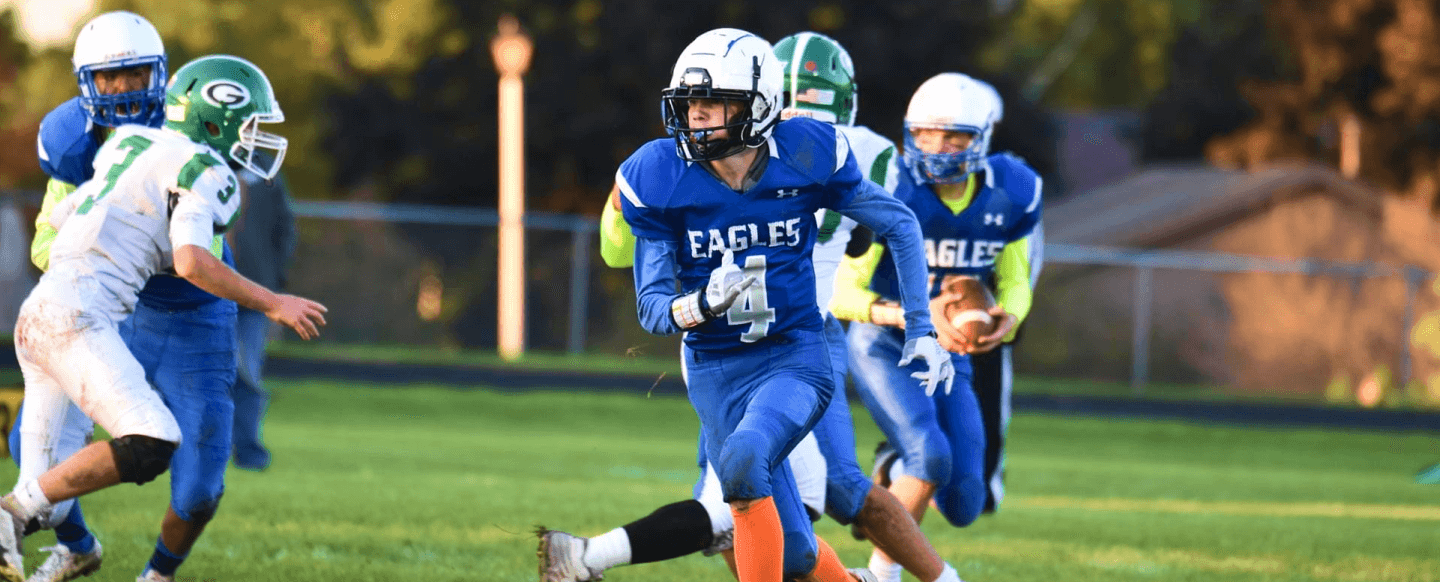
(119, 40)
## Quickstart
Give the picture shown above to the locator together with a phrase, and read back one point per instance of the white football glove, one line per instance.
(726, 284)
(941, 369)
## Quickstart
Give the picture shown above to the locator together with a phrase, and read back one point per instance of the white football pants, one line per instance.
(77, 369)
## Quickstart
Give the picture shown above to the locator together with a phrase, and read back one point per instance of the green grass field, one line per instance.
(428, 483)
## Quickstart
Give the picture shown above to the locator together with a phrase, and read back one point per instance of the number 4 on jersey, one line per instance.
(753, 307)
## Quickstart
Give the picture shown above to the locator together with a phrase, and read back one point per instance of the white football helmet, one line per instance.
(954, 102)
(727, 64)
(117, 40)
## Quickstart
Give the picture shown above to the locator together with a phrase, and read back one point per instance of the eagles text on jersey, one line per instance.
(771, 227)
(1005, 208)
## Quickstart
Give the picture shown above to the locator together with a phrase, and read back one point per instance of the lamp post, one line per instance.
(511, 50)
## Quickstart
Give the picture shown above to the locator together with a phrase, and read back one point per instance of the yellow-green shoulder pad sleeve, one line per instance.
(55, 191)
(852, 285)
(1012, 281)
(617, 243)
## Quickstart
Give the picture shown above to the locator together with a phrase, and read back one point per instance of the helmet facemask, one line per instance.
(946, 168)
(697, 144)
(144, 106)
(259, 151)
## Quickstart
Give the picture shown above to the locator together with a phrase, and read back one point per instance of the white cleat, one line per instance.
(153, 576)
(863, 575)
(12, 533)
(562, 557)
(65, 565)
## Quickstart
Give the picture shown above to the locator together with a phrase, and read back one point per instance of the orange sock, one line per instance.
(827, 565)
(759, 542)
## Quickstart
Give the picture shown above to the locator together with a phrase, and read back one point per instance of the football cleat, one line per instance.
(562, 557)
(153, 576)
(12, 556)
(65, 565)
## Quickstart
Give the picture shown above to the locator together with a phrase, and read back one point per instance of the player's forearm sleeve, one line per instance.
(1012, 281)
(55, 191)
(655, 284)
(617, 242)
(893, 222)
(853, 296)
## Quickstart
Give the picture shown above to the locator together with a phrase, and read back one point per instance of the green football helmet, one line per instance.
(220, 101)
(819, 78)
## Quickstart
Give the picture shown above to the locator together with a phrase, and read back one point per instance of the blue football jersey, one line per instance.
(771, 228)
(67, 144)
(1005, 208)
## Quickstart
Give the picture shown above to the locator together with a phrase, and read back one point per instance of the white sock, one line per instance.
(949, 575)
(608, 550)
(883, 569)
(30, 499)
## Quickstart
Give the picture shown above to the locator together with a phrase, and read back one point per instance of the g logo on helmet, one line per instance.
(225, 93)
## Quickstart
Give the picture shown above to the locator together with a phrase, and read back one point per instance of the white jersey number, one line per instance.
(754, 306)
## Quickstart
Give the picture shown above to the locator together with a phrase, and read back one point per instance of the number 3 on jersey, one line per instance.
(753, 307)
(136, 145)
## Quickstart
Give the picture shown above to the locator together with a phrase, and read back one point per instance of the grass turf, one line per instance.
(382, 483)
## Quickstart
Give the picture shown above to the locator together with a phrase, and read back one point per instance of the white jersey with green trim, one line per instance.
(875, 155)
(153, 191)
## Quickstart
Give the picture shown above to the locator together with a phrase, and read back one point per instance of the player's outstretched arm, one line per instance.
(892, 220)
(198, 266)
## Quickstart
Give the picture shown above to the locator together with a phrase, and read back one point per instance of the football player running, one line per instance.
(119, 63)
(178, 332)
(160, 197)
(725, 210)
(993, 370)
(977, 213)
(819, 82)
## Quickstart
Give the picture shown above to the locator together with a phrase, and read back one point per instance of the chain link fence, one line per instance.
(1159, 320)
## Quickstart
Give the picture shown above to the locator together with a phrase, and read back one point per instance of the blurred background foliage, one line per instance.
(395, 101)
(400, 94)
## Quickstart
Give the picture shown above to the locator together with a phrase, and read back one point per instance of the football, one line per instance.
(969, 312)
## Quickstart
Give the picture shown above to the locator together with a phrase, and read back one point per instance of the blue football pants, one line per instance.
(940, 438)
(755, 403)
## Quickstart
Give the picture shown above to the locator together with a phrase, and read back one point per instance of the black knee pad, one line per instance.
(140, 458)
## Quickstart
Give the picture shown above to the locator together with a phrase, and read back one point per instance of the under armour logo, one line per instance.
(787, 192)
(995, 219)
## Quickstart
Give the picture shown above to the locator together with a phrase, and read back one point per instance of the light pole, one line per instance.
(511, 50)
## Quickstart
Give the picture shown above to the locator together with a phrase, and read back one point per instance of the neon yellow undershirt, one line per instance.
(55, 191)
(617, 242)
(853, 296)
